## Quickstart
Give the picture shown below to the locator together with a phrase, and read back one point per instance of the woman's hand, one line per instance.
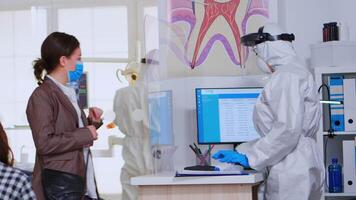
(93, 131)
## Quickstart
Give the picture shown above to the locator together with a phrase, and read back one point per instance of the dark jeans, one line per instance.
(65, 196)
(72, 196)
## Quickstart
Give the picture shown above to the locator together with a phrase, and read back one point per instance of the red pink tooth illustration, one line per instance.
(184, 11)
(214, 9)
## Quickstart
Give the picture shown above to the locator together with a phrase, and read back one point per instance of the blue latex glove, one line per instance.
(231, 156)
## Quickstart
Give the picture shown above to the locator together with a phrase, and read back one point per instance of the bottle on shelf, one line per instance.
(335, 176)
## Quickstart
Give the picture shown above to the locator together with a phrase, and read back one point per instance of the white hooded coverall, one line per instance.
(287, 116)
(136, 149)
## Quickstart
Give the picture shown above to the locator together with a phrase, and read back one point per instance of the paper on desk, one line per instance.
(185, 173)
(229, 167)
(194, 172)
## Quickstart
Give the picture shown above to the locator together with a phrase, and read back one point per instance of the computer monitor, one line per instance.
(224, 115)
(160, 117)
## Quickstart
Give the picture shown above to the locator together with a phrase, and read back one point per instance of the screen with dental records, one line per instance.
(224, 115)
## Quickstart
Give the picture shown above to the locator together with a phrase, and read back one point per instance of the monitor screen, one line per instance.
(224, 115)
(160, 117)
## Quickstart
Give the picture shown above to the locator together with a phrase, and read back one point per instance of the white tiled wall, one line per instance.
(7, 77)
(17, 51)
(102, 31)
(80, 26)
(23, 40)
(24, 83)
(6, 33)
(111, 39)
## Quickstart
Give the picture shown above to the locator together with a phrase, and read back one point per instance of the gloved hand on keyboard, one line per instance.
(231, 156)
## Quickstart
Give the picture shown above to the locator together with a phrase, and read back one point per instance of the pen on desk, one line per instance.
(196, 153)
(210, 148)
(198, 150)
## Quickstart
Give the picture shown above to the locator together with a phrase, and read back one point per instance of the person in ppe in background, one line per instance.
(130, 104)
(287, 116)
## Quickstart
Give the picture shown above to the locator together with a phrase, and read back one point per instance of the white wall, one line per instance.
(305, 18)
(344, 11)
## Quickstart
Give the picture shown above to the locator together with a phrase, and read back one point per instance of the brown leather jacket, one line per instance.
(58, 140)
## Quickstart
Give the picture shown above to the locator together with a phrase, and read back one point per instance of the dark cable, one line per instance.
(327, 88)
(330, 131)
(330, 135)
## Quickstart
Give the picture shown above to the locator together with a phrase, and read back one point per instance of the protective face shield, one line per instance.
(270, 45)
(131, 72)
(254, 39)
(74, 76)
(262, 64)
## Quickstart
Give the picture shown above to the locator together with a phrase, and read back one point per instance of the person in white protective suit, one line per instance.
(129, 106)
(287, 116)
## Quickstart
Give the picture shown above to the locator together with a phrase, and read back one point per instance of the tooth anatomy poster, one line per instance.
(202, 37)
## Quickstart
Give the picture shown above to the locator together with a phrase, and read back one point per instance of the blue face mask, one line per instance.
(75, 75)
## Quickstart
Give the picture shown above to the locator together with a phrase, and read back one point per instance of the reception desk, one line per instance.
(167, 187)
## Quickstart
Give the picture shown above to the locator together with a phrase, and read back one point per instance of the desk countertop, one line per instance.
(169, 179)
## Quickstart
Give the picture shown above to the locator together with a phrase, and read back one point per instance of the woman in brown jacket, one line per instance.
(60, 129)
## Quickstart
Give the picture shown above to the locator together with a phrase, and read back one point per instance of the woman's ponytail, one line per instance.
(39, 66)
